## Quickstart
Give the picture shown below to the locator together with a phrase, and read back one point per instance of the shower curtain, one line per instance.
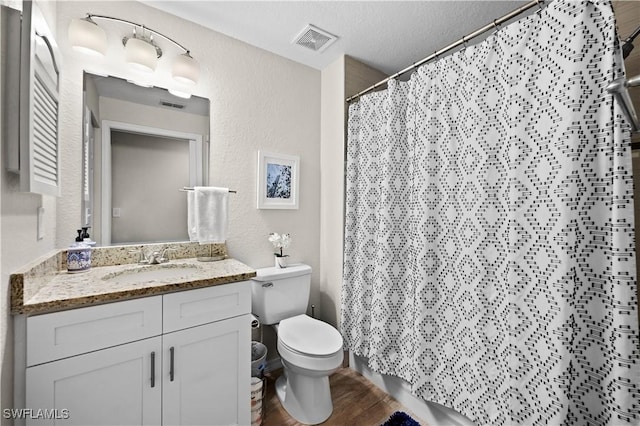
(489, 248)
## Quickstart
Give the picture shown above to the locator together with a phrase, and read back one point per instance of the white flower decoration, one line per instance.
(280, 241)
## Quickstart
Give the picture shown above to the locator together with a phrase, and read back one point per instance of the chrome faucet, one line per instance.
(155, 258)
(165, 253)
(158, 257)
(142, 257)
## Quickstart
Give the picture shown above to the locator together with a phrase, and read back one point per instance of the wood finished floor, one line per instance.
(356, 401)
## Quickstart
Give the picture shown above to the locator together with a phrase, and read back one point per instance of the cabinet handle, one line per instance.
(153, 369)
(171, 371)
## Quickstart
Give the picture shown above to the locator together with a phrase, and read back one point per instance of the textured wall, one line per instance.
(332, 194)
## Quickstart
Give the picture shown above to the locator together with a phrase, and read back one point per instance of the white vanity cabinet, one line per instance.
(176, 359)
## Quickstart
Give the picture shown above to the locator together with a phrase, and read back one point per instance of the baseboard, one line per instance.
(430, 412)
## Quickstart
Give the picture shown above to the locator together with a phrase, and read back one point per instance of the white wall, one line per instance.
(332, 192)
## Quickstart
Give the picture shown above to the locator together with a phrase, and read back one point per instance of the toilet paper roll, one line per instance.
(254, 322)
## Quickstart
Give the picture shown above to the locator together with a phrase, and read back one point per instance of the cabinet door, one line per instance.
(107, 387)
(206, 374)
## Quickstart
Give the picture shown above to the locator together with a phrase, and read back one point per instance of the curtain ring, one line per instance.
(496, 26)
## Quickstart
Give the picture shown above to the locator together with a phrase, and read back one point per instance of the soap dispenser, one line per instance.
(79, 255)
(86, 238)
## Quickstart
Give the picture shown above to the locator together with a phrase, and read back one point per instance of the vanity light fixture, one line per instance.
(186, 69)
(141, 52)
(140, 49)
(86, 36)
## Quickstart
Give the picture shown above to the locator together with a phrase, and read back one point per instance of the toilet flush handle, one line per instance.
(264, 284)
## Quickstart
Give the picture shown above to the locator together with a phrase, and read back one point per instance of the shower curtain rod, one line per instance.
(495, 24)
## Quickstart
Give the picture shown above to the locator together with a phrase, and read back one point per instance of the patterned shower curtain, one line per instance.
(489, 248)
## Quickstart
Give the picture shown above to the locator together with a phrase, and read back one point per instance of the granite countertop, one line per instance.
(40, 288)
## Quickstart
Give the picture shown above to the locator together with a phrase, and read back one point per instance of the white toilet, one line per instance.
(310, 349)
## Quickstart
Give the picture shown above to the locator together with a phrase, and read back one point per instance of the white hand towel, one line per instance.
(191, 216)
(211, 210)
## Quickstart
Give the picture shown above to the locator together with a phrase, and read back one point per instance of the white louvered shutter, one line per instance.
(39, 153)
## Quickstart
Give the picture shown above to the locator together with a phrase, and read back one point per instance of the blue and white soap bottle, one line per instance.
(79, 255)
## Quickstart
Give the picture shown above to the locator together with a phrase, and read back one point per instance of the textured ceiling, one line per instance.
(388, 35)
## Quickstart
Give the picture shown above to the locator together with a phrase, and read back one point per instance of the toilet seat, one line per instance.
(310, 337)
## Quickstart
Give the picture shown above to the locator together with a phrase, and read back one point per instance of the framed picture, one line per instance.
(278, 176)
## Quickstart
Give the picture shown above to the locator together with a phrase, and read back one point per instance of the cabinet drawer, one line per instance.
(195, 307)
(62, 334)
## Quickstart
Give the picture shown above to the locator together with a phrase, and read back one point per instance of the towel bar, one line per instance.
(186, 188)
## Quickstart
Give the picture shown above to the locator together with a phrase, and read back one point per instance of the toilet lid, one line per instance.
(309, 336)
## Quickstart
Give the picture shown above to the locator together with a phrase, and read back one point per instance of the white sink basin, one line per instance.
(153, 273)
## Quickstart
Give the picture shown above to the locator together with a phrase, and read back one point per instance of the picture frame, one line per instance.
(278, 180)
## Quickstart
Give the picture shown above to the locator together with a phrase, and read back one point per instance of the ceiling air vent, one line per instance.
(314, 38)
(171, 105)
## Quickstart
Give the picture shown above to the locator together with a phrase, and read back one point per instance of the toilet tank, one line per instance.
(279, 293)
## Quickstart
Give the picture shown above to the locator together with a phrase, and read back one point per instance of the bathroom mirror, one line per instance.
(141, 145)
